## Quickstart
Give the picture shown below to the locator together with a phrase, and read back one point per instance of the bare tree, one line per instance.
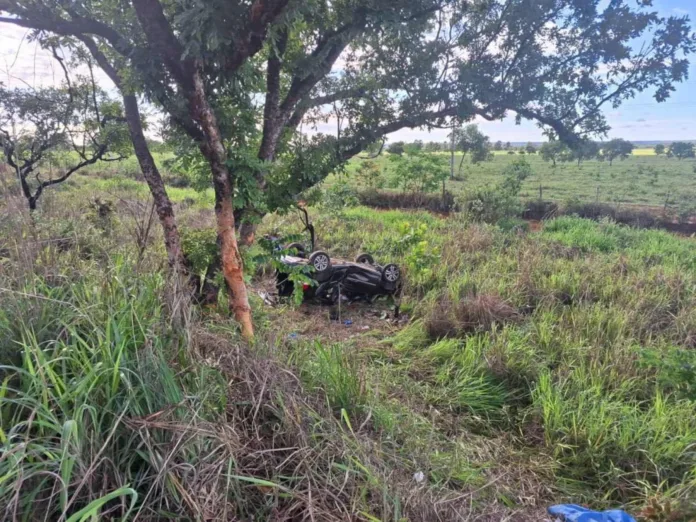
(76, 123)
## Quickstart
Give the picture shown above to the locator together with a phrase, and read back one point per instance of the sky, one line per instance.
(639, 119)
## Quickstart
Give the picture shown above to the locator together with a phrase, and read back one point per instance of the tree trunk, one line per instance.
(459, 171)
(452, 154)
(163, 205)
(214, 151)
(247, 232)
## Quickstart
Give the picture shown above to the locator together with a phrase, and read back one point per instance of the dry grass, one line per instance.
(471, 314)
(276, 427)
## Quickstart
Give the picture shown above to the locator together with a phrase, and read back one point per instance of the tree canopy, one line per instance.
(681, 150)
(396, 148)
(616, 148)
(553, 151)
(469, 140)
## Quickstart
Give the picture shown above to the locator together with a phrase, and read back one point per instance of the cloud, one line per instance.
(640, 120)
(680, 11)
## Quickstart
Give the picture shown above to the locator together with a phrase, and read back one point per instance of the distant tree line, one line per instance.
(679, 149)
(468, 140)
(399, 147)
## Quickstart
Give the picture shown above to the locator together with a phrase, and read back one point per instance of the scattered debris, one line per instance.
(419, 477)
(269, 299)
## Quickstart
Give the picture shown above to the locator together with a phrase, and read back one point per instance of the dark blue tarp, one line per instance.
(573, 513)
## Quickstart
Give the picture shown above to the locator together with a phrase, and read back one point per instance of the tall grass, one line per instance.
(84, 378)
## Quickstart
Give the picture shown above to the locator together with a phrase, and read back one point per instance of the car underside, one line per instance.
(334, 279)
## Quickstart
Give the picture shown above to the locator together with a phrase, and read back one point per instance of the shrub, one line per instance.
(537, 209)
(338, 196)
(418, 171)
(369, 174)
(675, 369)
(409, 200)
(491, 205)
(626, 216)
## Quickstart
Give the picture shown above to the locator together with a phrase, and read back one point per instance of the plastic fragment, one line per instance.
(575, 513)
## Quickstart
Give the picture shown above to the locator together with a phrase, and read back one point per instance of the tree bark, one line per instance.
(163, 205)
(214, 151)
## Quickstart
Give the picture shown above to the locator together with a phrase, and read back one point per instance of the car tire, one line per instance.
(365, 258)
(391, 274)
(299, 247)
(321, 262)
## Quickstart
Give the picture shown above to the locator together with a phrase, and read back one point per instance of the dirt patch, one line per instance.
(315, 321)
(357, 320)
(535, 225)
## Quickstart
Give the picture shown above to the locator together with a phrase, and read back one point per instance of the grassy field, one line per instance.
(642, 179)
(530, 368)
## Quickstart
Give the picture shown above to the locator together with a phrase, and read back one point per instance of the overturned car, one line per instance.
(333, 279)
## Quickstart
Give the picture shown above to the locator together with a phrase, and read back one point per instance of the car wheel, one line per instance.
(322, 264)
(391, 273)
(365, 258)
(297, 246)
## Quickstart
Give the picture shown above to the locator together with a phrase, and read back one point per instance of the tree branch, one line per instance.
(261, 14)
(163, 41)
(272, 126)
(326, 53)
(35, 19)
(182, 121)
